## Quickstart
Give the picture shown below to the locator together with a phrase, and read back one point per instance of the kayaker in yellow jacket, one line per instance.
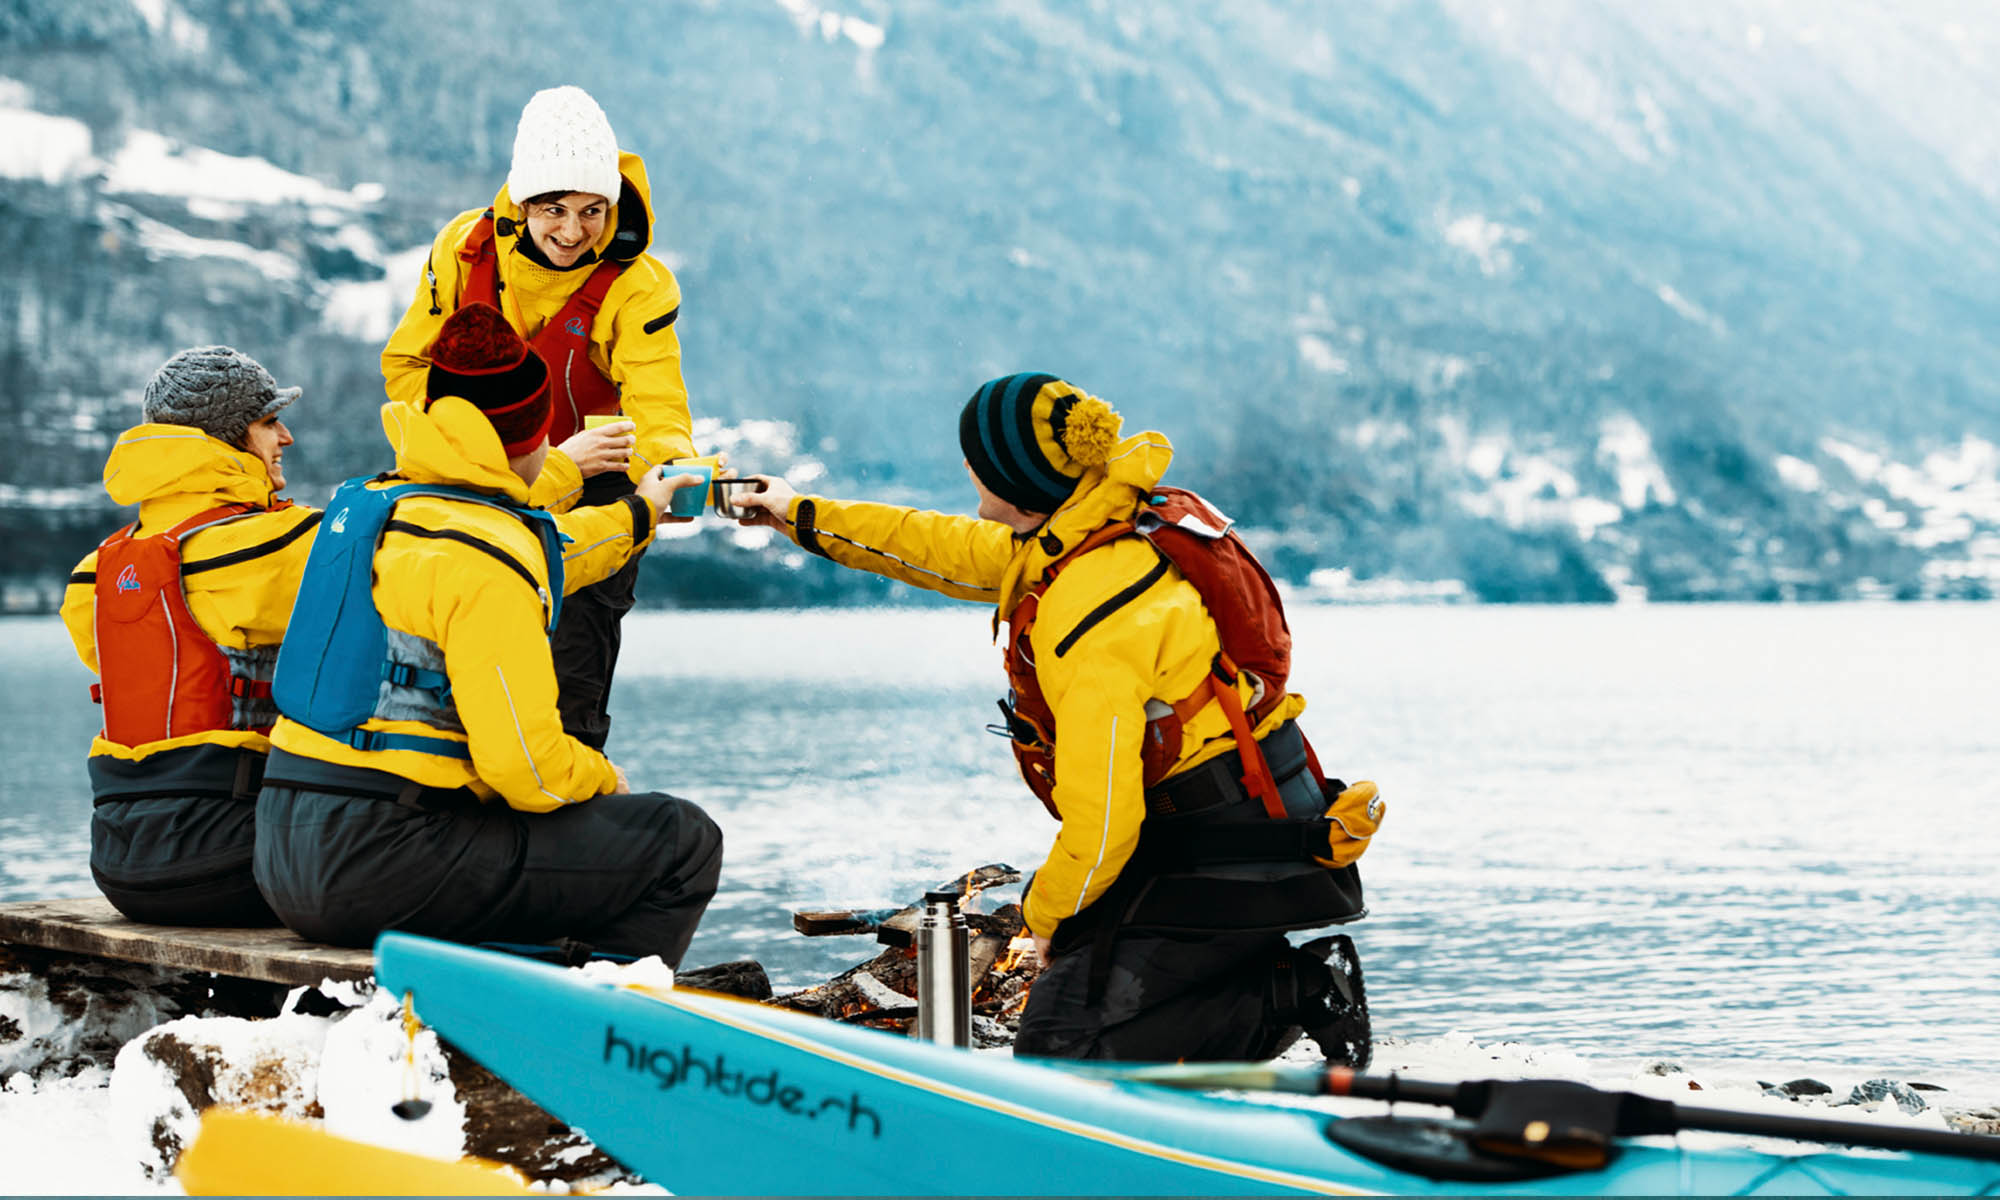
(459, 807)
(561, 251)
(181, 621)
(1118, 636)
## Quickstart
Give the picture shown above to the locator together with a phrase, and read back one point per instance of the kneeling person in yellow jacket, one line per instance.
(1162, 906)
(452, 803)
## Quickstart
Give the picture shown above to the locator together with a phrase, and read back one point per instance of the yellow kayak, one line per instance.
(240, 1153)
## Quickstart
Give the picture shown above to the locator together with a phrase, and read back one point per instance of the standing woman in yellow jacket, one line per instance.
(1161, 908)
(180, 615)
(561, 252)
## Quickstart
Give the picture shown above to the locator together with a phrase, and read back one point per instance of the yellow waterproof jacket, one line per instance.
(1156, 647)
(475, 607)
(173, 472)
(632, 340)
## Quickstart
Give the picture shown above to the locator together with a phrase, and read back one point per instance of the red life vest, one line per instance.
(162, 675)
(576, 387)
(1190, 534)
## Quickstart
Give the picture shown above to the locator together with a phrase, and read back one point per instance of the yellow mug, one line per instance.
(600, 420)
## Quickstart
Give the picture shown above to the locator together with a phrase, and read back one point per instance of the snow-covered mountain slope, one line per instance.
(1556, 300)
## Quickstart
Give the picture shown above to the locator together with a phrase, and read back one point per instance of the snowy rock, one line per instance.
(1975, 1120)
(163, 1080)
(61, 1014)
(1875, 1091)
(348, 1071)
(369, 1064)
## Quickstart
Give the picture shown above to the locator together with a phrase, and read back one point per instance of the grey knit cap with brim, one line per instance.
(218, 390)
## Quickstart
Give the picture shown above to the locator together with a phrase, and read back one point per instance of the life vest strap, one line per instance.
(405, 675)
(378, 739)
(1256, 772)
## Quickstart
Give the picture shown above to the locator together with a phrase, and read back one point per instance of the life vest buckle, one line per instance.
(435, 682)
(244, 688)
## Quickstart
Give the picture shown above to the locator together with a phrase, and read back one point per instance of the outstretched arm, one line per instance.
(962, 557)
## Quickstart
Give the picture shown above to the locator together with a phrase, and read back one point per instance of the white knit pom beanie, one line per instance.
(564, 143)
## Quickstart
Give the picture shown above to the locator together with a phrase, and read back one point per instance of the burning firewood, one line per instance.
(882, 991)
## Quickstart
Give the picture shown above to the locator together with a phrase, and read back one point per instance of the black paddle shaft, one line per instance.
(1637, 1115)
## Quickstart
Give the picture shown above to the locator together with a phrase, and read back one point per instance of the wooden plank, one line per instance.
(833, 922)
(92, 927)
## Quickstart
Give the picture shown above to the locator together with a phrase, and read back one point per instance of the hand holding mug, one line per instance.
(602, 446)
(657, 488)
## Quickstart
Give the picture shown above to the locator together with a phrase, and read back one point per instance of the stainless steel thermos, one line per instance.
(944, 983)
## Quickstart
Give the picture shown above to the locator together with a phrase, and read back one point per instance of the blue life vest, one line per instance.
(335, 655)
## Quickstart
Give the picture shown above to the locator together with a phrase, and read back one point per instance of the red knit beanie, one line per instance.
(478, 357)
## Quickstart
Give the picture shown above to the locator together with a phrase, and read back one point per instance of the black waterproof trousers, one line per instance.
(178, 860)
(626, 874)
(587, 634)
(1167, 998)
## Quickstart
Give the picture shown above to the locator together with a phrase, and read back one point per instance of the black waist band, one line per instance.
(1219, 781)
(287, 770)
(229, 772)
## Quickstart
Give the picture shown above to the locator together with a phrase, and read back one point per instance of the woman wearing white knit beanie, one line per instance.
(561, 252)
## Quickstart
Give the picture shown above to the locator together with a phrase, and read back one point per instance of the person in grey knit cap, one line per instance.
(219, 390)
(180, 615)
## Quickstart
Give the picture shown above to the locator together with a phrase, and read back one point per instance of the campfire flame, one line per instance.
(1022, 946)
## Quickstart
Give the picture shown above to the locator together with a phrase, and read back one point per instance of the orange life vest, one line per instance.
(161, 675)
(576, 387)
(1188, 533)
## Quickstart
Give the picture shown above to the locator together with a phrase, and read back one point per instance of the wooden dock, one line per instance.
(93, 928)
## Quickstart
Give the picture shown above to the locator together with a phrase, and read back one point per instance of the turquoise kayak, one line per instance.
(709, 1094)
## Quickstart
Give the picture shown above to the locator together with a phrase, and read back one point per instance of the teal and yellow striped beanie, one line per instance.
(1030, 438)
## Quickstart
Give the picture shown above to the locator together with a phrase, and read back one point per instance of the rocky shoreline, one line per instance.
(175, 1043)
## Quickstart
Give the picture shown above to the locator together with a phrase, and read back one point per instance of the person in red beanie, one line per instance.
(420, 776)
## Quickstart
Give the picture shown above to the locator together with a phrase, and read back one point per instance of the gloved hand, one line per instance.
(1356, 813)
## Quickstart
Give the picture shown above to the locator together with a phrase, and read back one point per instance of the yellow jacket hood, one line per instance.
(1104, 495)
(153, 463)
(450, 441)
(633, 169)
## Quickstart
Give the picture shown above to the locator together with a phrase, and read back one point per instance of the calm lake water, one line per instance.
(1699, 833)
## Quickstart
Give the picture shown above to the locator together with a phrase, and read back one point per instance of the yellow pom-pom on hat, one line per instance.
(1030, 437)
(1091, 431)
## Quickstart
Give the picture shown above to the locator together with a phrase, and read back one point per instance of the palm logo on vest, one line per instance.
(339, 523)
(128, 579)
(573, 327)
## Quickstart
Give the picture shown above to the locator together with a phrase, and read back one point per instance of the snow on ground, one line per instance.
(1485, 240)
(75, 1136)
(1950, 499)
(1524, 489)
(153, 164)
(36, 145)
(1625, 445)
(54, 1140)
(160, 240)
(367, 310)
